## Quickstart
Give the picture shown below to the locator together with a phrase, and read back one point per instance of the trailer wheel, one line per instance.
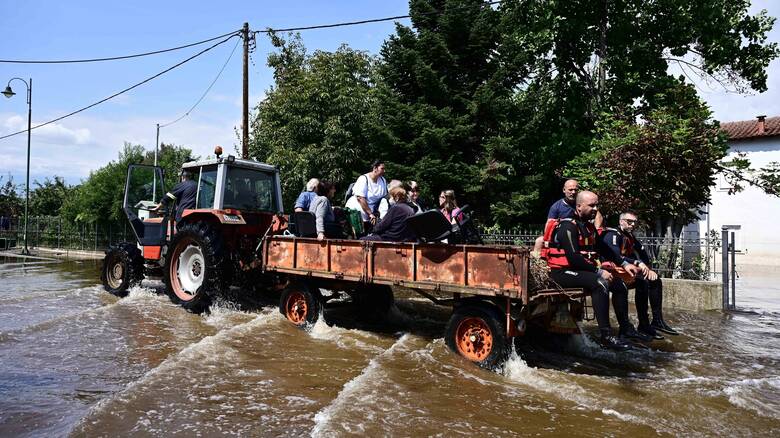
(122, 269)
(300, 305)
(477, 334)
(192, 267)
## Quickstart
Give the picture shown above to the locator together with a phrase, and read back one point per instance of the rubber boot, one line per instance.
(612, 342)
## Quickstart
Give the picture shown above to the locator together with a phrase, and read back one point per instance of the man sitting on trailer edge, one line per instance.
(629, 256)
(573, 263)
(183, 194)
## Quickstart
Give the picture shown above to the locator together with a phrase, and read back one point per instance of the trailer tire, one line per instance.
(478, 334)
(123, 268)
(193, 267)
(300, 304)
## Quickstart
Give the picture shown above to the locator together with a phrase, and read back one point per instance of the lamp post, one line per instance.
(8, 92)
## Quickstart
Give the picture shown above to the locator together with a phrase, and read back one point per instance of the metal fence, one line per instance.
(54, 232)
(688, 258)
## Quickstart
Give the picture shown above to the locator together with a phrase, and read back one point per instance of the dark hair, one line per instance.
(186, 174)
(376, 164)
(324, 187)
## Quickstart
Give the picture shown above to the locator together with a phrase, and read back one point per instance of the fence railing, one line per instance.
(54, 232)
(688, 258)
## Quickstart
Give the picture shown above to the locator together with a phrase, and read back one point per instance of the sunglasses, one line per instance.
(631, 221)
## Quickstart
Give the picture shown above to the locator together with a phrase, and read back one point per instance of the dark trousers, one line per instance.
(599, 294)
(652, 292)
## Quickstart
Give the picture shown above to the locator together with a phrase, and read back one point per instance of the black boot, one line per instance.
(612, 342)
(661, 326)
(648, 330)
(628, 332)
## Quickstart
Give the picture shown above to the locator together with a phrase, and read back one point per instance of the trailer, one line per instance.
(486, 285)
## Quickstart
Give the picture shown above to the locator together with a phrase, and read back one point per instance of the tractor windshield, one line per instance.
(249, 189)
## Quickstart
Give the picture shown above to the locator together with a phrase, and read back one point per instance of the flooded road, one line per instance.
(75, 361)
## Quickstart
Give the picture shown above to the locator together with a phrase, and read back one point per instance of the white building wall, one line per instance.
(758, 242)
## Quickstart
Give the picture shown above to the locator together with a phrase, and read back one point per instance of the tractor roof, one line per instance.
(248, 164)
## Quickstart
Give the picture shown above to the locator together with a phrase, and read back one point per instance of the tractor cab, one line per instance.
(230, 191)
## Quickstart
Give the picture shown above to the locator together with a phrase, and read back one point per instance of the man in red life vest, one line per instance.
(626, 252)
(573, 262)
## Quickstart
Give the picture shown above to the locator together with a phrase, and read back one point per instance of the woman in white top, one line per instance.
(370, 189)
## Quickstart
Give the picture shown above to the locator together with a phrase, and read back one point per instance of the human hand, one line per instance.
(645, 270)
(372, 218)
(632, 269)
(651, 275)
(320, 236)
(606, 275)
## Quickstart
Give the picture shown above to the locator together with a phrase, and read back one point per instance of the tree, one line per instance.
(11, 204)
(448, 108)
(48, 197)
(312, 123)
(661, 167)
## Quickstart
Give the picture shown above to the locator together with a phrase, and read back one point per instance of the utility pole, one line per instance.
(245, 115)
(156, 147)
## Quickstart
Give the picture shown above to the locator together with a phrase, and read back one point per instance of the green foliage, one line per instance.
(11, 203)
(47, 198)
(313, 121)
(658, 167)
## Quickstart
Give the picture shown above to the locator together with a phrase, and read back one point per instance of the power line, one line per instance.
(207, 89)
(115, 58)
(125, 90)
(372, 20)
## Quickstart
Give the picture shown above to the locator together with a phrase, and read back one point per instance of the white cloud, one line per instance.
(52, 133)
(83, 143)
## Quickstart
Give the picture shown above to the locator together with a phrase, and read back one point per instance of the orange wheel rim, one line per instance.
(474, 339)
(295, 308)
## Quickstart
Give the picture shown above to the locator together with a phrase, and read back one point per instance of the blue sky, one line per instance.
(87, 29)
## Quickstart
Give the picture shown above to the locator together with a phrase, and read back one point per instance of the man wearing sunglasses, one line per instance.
(622, 248)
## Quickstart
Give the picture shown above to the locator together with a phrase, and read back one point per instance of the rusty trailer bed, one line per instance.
(489, 270)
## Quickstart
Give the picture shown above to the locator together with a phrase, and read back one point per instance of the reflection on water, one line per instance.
(77, 361)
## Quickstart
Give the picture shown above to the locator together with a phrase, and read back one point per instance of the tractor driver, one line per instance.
(183, 194)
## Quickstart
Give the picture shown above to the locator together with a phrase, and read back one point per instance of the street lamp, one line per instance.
(8, 92)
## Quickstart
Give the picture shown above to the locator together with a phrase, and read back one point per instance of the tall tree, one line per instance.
(661, 167)
(447, 106)
(312, 122)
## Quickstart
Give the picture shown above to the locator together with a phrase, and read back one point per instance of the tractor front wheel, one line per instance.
(122, 269)
(192, 266)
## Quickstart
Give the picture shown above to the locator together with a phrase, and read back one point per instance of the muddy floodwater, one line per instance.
(75, 361)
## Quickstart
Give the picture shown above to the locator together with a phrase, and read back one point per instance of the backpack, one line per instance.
(348, 193)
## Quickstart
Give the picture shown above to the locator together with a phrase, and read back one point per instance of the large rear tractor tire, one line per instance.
(193, 267)
(301, 305)
(123, 268)
(478, 334)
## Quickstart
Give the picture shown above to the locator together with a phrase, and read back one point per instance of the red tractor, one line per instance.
(213, 246)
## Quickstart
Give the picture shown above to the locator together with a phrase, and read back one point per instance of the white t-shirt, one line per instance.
(372, 191)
